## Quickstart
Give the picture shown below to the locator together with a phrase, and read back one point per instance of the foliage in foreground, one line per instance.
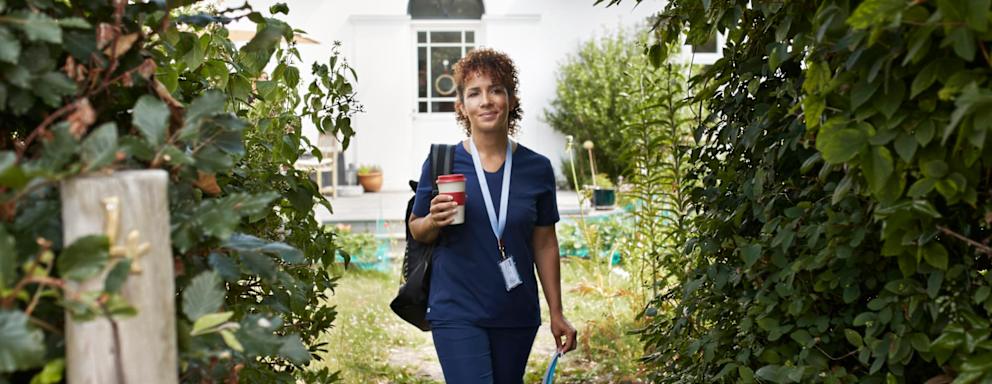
(844, 207)
(94, 87)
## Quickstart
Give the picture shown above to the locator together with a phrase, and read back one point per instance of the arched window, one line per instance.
(439, 45)
(445, 9)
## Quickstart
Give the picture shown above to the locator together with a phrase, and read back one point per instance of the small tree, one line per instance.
(592, 100)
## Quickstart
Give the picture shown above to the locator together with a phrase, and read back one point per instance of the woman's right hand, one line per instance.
(442, 213)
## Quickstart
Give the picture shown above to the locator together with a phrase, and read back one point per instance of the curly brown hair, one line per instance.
(498, 66)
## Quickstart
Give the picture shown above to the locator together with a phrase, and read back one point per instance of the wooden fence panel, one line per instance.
(133, 206)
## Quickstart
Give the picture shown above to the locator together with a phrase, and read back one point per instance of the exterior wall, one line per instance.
(378, 40)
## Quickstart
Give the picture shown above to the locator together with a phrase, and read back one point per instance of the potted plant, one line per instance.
(370, 177)
(604, 195)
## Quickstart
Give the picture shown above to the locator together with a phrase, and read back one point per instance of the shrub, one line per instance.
(173, 93)
(590, 100)
(842, 206)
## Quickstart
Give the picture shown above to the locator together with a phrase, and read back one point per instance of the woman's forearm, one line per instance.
(423, 229)
(549, 270)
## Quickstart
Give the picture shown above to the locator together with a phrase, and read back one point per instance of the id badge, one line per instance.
(510, 275)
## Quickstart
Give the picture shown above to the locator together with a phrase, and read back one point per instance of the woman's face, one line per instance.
(484, 103)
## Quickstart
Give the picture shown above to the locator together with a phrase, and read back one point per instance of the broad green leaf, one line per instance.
(52, 87)
(210, 103)
(920, 342)
(100, 146)
(117, 276)
(11, 174)
(802, 337)
(934, 283)
(853, 337)
(971, 99)
(751, 253)
(8, 259)
(925, 78)
(202, 296)
(84, 258)
(224, 266)
(292, 349)
(207, 323)
(839, 145)
(38, 26)
(23, 346)
(872, 13)
(219, 217)
(877, 167)
(978, 14)
(151, 116)
(817, 77)
(963, 42)
(259, 264)
(74, 22)
(935, 255)
(279, 8)
(978, 363)
(981, 294)
(243, 242)
(924, 206)
(10, 47)
(934, 169)
(231, 340)
(51, 373)
(780, 374)
(861, 92)
(890, 100)
(906, 146)
(778, 54)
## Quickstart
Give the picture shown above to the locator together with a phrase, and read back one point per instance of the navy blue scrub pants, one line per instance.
(471, 354)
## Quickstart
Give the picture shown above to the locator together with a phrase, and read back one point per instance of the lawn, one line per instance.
(369, 344)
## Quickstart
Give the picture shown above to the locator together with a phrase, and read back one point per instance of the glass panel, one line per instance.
(421, 37)
(708, 47)
(469, 36)
(423, 107)
(450, 9)
(443, 106)
(442, 59)
(446, 37)
(422, 72)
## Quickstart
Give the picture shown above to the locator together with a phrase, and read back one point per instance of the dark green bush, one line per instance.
(843, 206)
(99, 86)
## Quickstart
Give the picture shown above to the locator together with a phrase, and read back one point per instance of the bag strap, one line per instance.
(442, 162)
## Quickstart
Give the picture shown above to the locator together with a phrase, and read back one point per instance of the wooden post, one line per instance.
(148, 340)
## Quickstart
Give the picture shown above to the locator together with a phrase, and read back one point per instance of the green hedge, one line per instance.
(842, 204)
(99, 86)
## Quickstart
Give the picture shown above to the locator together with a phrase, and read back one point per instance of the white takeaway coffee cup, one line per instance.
(454, 185)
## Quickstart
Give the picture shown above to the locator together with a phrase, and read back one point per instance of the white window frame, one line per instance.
(429, 26)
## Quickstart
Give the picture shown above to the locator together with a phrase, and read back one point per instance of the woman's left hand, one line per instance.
(560, 327)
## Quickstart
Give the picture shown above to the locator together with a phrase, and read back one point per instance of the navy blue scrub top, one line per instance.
(466, 282)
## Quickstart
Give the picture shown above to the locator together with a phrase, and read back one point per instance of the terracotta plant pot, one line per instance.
(371, 182)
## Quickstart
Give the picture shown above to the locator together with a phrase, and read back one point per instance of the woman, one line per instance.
(483, 305)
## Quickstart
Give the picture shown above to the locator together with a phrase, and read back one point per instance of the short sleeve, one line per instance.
(422, 199)
(547, 200)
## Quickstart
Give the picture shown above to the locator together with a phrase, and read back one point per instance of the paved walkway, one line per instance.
(391, 206)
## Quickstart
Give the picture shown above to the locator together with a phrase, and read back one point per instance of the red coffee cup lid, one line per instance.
(452, 178)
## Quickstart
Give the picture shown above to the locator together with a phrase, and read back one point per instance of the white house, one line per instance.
(402, 50)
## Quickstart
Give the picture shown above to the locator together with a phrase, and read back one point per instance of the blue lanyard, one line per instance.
(498, 224)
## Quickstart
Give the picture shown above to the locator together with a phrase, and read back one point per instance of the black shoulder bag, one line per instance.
(411, 301)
